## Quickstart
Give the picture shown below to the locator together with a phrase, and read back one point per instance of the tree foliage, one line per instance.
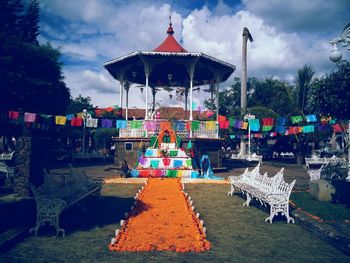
(30, 74)
(330, 95)
(29, 28)
(10, 17)
(79, 103)
(103, 137)
(272, 94)
(266, 98)
(303, 82)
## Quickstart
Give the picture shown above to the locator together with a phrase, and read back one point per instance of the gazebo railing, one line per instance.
(142, 128)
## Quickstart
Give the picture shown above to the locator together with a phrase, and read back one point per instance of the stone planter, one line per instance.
(321, 190)
(300, 158)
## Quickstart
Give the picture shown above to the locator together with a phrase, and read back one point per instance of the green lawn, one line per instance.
(237, 234)
(324, 210)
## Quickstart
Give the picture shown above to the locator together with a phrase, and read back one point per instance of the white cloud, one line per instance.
(80, 51)
(272, 53)
(91, 32)
(52, 32)
(302, 16)
(81, 81)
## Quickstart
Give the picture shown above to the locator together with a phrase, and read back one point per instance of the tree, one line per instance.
(103, 137)
(30, 74)
(31, 77)
(330, 95)
(29, 27)
(229, 100)
(266, 98)
(210, 103)
(303, 81)
(79, 103)
(270, 98)
(10, 17)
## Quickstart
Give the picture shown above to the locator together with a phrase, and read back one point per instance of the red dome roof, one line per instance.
(170, 44)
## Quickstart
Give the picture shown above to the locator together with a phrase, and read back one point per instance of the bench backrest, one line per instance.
(43, 191)
(284, 189)
(315, 160)
(262, 181)
(278, 177)
(248, 176)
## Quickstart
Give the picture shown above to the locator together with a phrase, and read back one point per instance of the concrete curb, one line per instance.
(12, 237)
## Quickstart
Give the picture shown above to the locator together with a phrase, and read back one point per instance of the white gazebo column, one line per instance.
(191, 96)
(121, 93)
(146, 91)
(217, 103)
(217, 100)
(121, 75)
(147, 68)
(186, 101)
(127, 87)
(191, 75)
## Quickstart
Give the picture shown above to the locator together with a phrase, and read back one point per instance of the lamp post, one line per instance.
(85, 116)
(335, 56)
(249, 117)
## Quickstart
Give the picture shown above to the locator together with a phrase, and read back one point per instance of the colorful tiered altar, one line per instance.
(164, 158)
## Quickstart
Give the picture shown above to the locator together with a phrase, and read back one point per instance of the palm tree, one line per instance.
(303, 81)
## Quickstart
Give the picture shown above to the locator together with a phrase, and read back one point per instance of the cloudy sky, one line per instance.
(287, 35)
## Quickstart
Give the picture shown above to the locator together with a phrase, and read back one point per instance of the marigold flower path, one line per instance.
(161, 220)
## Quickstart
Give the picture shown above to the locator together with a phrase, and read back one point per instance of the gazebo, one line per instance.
(168, 65)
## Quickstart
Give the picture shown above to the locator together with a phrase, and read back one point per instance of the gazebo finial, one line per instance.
(170, 30)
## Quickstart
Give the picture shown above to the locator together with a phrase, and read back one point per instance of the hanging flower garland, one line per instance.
(161, 135)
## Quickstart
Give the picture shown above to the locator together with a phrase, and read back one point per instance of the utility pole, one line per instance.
(246, 35)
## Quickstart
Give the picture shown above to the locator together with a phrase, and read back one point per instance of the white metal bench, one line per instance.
(58, 193)
(7, 156)
(315, 160)
(8, 171)
(288, 155)
(315, 174)
(267, 190)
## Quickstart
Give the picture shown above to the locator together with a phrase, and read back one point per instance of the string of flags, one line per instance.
(272, 127)
(259, 127)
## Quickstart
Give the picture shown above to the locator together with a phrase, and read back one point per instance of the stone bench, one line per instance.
(58, 193)
(272, 191)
